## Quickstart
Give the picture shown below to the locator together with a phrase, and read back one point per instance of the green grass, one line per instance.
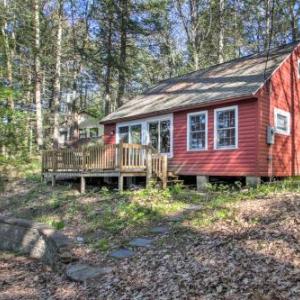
(101, 245)
(118, 216)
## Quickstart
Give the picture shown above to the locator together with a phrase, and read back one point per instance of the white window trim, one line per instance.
(145, 132)
(285, 114)
(235, 146)
(189, 130)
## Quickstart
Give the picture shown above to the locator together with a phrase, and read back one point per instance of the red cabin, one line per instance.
(238, 119)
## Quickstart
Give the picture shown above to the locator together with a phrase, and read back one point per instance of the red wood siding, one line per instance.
(236, 162)
(109, 133)
(282, 91)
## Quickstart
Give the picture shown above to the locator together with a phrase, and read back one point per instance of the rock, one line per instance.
(67, 257)
(79, 240)
(193, 207)
(141, 242)
(122, 253)
(160, 229)
(83, 272)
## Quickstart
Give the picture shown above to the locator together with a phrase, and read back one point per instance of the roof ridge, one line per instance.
(256, 54)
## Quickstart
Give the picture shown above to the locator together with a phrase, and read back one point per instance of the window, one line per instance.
(160, 135)
(136, 134)
(156, 131)
(226, 128)
(82, 133)
(282, 121)
(197, 131)
(130, 134)
(124, 134)
(94, 132)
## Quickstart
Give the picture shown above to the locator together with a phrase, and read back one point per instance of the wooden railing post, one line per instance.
(164, 170)
(148, 165)
(121, 156)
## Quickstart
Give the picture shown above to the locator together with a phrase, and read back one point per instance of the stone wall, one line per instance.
(33, 239)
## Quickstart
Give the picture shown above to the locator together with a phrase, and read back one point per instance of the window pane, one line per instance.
(165, 136)
(226, 119)
(197, 140)
(282, 122)
(123, 134)
(226, 128)
(93, 132)
(197, 131)
(153, 133)
(197, 122)
(136, 134)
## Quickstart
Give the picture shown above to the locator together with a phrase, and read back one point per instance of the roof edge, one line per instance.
(182, 108)
(276, 69)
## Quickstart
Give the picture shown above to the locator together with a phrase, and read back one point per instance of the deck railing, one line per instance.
(121, 157)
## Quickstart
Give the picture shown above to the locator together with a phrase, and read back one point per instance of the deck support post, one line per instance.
(148, 166)
(120, 182)
(53, 180)
(82, 184)
(202, 182)
(252, 181)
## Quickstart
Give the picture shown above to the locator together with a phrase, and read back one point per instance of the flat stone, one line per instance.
(141, 242)
(160, 229)
(122, 253)
(193, 207)
(83, 272)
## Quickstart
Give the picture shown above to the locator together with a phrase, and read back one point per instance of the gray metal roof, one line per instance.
(233, 79)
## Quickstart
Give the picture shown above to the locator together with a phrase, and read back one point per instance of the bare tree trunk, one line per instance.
(221, 33)
(107, 80)
(37, 71)
(268, 23)
(57, 75)
(8, 57)
(123, 54)
(294, 28)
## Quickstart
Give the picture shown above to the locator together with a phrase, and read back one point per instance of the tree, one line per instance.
(57, 75)
(124, 20)
(37, 73)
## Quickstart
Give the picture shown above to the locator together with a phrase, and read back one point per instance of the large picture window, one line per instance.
(155, 131)
(130, 134)
(160, 135)
(226, 128)
(197, 131)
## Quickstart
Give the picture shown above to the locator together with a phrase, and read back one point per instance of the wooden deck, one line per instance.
(117, 160)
